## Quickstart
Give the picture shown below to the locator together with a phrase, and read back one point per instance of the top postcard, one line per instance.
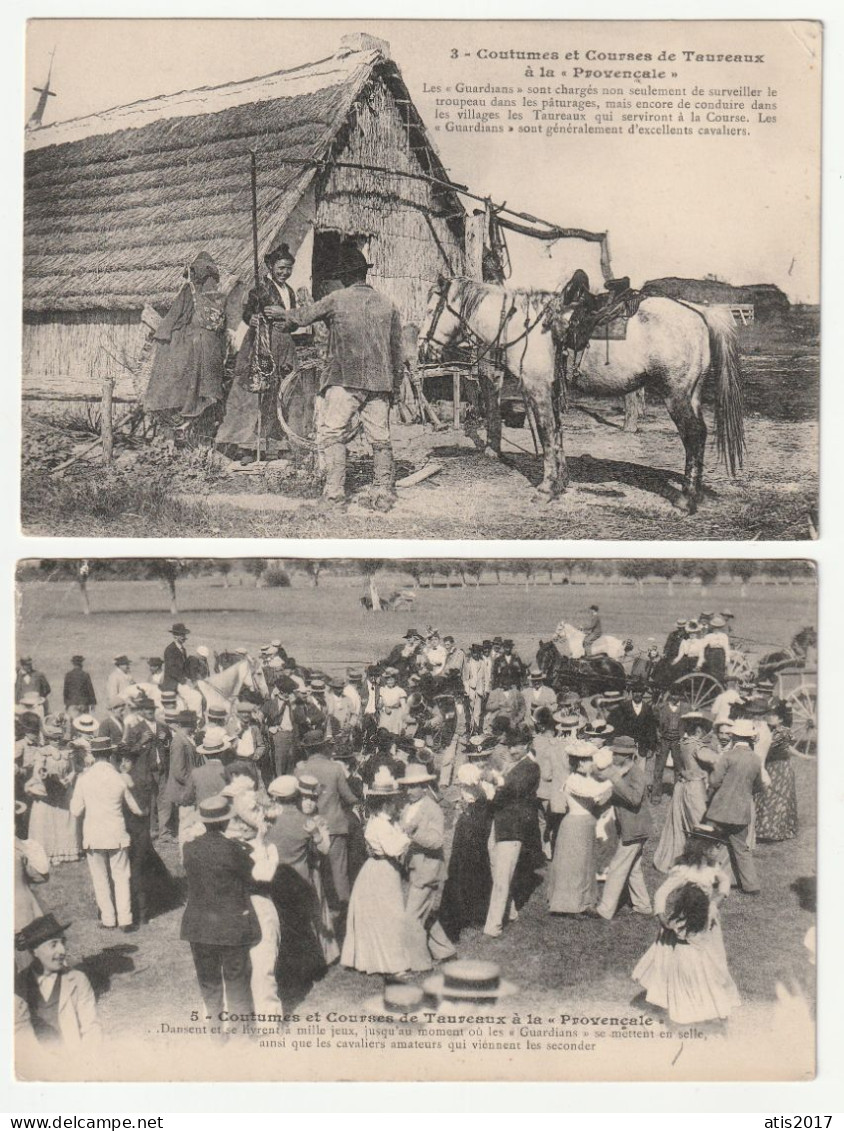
(441, 279)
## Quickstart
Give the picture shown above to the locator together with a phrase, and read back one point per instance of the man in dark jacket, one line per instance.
(219, 921)
(733, 780)
(179, 790)
(515, 825)
(638, 720)
(365, 367)
(670, 729)
(79, 696)
(29, 680)
(629, 786)
(176, 658)
(148, 740)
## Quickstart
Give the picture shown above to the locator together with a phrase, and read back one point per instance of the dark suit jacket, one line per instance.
(733, 780)
(628, 798)
(642, 727)
(175, 667)
(152, 746)
(181, 789)
(219, 874)
(514, 805)
(78, 689)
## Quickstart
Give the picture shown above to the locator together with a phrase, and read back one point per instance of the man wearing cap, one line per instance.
(219, 920)
(629, 786)
(422, 821)
(79, 696)
(365, 366)
(335, 800)
(670, 729)
(28, 680)
(118, 681)
(54, 1005)
(176, 659)
(733, 781)
(98, 798)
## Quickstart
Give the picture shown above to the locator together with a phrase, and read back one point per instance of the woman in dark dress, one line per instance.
(270, 300)
(776, 805)
(186, 380)
(468, 885)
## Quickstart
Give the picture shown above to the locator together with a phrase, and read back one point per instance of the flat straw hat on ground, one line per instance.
(396, 998)
(467, 980)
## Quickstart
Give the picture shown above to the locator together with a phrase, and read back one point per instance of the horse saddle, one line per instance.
(595, 316)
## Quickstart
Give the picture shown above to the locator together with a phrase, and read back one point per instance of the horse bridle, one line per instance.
(444, 305)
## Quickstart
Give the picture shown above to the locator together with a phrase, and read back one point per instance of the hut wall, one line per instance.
(398, 213)
(68, 354)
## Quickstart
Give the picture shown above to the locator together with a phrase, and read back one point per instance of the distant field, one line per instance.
(326, 627)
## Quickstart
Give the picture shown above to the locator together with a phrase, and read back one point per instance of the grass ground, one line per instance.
(148, 977)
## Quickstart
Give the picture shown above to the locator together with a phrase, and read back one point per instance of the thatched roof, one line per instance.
(117, 203)
(764, 296)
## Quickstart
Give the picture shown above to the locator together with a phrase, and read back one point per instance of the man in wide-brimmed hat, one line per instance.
(423, 822)
(54, 1005)
(335, 800)
(209, 777)
(98, 799)
(364, 370)
(733, 781)
(219, 921)
(629, 784)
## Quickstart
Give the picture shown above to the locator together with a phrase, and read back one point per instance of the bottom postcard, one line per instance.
(415, 820)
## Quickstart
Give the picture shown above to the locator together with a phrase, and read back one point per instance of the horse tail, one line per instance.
(724, 366)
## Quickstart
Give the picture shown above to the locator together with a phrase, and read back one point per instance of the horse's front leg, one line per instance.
(555, 473)
(493, 414)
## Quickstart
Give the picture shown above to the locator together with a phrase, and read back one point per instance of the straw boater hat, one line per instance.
(285, 788)
(567, 721)
(697, 717)
(416, 774)
(101, 747)
(611, 696)
(717, 622)
(396, 998)
(215, 743)
(383, 784)
(625, 746)
(478, 747)
(214, 810)
(744, 728)
(31, 699)
(313, 739)
(581, 750)
(244, 708)
(217, 714)
(309, 786)
(466, 980)
(598, 729)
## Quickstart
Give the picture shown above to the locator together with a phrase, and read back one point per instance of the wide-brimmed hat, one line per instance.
(717, 622)
(284, 787)
(536, 672)
(611, 696)
(354, 674)
(336, 682)
(697, 717)
(757, 707)
(101, 746)
(217, 714)
(567, 721)
(383, 784)
(581, 750)
(31, 699)
(728, 614)
(468, 979)
(179, 629)
(624, 745)
(416, 774)
(412, 634)
(244, 708)
(214, 810)
(39, 931)
(215, 742)
(77, 659)
(599, 730)
(693, 625)
(743, 728)
(313, 739)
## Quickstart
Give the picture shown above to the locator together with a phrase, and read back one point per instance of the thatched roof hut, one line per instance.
(767, 299)
(117, 203)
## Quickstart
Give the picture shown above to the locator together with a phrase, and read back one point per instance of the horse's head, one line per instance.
(442, 323)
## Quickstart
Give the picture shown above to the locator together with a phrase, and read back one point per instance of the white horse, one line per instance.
(670, 348)
(221, 690)
(572, 638)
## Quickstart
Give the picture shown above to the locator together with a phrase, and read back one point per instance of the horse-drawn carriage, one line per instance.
(591, 675)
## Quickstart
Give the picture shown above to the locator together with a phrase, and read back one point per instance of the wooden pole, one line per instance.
(107, 420)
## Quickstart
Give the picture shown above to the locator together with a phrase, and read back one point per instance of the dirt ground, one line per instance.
(622, 485)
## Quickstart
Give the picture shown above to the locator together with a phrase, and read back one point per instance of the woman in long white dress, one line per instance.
(685, 970)
(375, 941)
(572, 883)
(392, 703)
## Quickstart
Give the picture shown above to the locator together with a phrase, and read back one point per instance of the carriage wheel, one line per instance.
(739, 667)
(804, 725)
(698, 689)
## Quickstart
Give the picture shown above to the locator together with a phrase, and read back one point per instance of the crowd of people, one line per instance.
(373, 817)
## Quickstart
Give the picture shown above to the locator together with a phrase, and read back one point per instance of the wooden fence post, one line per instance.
(107, 420)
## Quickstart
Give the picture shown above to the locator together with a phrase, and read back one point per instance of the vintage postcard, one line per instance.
(420, 820)
(414, 278)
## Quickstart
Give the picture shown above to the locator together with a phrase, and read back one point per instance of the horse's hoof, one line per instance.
(490, 453)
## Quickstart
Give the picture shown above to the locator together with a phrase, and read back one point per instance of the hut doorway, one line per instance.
(328, 247)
